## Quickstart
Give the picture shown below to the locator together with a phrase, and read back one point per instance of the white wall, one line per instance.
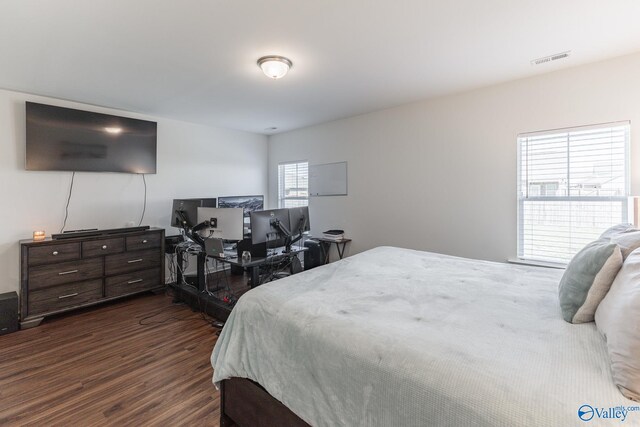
(193, 161)
(440, 175)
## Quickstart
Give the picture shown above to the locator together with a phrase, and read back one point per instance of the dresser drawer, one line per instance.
(54, 253)
(102, 247)
(64, 296)
(144, 241)
(132, 261)
(64, 272)
(132, 282)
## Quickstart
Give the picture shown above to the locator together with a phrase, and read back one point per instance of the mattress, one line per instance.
(408, 338)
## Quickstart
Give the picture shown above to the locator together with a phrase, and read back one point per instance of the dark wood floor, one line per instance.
(142, 361)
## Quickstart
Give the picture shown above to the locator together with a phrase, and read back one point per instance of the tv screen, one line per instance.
(64, 139)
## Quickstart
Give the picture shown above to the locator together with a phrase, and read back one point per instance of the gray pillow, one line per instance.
(587, 280)
(618, 319)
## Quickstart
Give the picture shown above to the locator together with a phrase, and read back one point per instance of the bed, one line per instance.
(401, 337)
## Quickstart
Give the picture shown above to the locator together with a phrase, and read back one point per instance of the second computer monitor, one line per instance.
(299, 220)
(248, 203)
(264, 230)
(184, 213)
(224, 223)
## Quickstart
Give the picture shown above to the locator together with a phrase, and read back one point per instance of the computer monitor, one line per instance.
(184, 213)
(248, 203)
(265, 230)
(224, 223)
(299, 220)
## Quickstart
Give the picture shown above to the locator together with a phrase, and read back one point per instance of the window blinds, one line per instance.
(572, 185)
(293, 184)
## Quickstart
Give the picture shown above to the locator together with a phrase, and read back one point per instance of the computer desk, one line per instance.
(254, 265)
(194, 296)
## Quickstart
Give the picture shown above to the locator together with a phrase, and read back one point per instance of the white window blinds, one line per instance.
(572, 185)
(293, 184)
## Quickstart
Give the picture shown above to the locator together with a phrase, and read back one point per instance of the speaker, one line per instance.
(314, 256)
(8, 312)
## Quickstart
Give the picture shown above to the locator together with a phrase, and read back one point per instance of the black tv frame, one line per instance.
(68, 139)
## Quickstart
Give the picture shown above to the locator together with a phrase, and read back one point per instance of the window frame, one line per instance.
(282, 199)
(625, 199)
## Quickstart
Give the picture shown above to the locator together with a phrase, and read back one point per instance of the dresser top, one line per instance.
(111, 234)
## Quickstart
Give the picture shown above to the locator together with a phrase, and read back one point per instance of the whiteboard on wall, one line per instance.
(329, 179)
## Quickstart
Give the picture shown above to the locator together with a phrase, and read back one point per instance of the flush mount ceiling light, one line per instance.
(274, 66)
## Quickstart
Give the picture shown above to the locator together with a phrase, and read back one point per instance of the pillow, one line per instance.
(618, 319)
(616, 229)
(587, 279)
(625, 236)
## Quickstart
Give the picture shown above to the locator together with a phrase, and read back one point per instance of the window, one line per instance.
(572, 185)
(293, 184)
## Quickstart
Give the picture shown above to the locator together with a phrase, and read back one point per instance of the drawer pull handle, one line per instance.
(54, 253)
(135, 260)
(104, 246)
(67, 296)
(67, 272)
(131, 282)
(145, 241)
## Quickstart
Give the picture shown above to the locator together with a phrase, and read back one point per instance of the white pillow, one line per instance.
(616, 229)
(623, 235)
(618, 319)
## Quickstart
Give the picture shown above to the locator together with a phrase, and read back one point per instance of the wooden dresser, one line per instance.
(62, 275)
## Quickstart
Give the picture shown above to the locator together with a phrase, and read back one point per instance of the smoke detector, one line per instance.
(550, 58)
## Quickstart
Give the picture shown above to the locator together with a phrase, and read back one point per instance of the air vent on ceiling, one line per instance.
(550, 58)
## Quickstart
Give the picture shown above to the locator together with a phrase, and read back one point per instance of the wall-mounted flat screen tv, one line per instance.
(64, 139)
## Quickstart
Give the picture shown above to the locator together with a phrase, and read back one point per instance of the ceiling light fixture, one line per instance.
(113, 130)
(275, 67)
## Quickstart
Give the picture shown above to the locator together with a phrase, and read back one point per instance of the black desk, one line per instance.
(210, 304)
(194, 296)
(200, 267)
(254, 265)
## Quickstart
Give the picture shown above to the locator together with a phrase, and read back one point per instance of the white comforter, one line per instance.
(396, 337)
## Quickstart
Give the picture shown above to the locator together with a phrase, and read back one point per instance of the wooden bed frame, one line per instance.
(246, 403)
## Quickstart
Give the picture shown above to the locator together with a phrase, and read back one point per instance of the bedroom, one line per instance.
(426, 113)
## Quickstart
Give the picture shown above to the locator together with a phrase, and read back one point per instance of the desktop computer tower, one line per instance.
(314, 255)
(259, 250)
(8, 312)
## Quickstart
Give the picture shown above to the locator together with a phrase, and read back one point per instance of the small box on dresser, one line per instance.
(63, 275)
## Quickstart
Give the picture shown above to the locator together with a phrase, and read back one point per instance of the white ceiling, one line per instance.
(195, 60)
